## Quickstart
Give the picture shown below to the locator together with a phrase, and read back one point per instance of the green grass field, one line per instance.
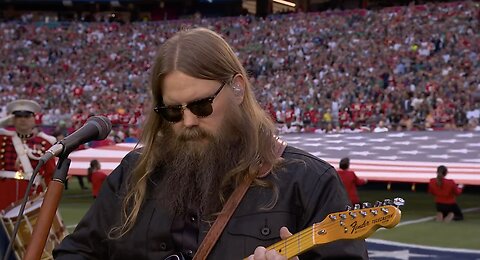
(419, 204)
(457, 234)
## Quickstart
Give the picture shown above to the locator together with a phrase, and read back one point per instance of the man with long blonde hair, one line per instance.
(207, 135)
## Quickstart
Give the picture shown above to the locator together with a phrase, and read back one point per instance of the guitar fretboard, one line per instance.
(296, 244)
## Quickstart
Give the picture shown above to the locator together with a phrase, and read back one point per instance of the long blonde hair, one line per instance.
(203, 54)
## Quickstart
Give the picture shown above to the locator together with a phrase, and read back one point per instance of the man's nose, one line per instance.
(189, 118)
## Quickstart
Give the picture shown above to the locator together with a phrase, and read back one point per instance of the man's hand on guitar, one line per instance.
(261, 253)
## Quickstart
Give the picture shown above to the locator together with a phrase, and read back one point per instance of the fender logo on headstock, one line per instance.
(365, 224)
(356, 227)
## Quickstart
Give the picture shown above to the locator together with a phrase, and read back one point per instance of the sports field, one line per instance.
(416, 227)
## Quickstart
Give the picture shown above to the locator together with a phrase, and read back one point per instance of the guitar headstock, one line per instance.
(360, 222)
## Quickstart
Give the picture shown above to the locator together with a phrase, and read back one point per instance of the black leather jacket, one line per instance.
(309, 189)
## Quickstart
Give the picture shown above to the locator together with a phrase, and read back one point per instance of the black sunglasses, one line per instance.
(201, 108)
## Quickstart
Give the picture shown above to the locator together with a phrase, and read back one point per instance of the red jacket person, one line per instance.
(20, 149)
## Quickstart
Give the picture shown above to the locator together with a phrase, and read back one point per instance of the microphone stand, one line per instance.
(48, 210)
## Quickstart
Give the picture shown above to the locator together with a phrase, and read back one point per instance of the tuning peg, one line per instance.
(353, 214)
(378, 203)
(366, 205)
(398, 202)
(348, 208)
(356, 206)
(387, 202)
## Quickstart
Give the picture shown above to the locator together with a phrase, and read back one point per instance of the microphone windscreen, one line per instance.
(103, 125)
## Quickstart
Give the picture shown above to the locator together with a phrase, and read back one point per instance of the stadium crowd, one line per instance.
(411, 67)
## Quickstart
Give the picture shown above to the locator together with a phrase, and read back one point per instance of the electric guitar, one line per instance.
(357, 223)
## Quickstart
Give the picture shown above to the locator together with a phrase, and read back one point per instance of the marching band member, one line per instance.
(20, 149)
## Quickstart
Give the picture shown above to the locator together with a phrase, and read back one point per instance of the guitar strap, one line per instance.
(229, 207)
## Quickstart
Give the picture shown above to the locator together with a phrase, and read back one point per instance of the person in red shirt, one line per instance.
(96, 177)
(350, 180)
(445, 192)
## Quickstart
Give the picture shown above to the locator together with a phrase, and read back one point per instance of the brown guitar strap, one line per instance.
(232, 203)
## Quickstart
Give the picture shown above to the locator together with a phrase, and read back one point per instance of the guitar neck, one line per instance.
(352, 224)
(296, 244)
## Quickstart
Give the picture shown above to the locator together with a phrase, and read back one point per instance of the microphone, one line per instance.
(96, 128)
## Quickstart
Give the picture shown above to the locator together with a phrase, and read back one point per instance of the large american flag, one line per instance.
(390, 156)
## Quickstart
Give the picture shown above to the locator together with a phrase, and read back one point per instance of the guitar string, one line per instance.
(306, 237)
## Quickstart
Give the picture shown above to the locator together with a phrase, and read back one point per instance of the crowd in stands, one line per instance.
(411, 67)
